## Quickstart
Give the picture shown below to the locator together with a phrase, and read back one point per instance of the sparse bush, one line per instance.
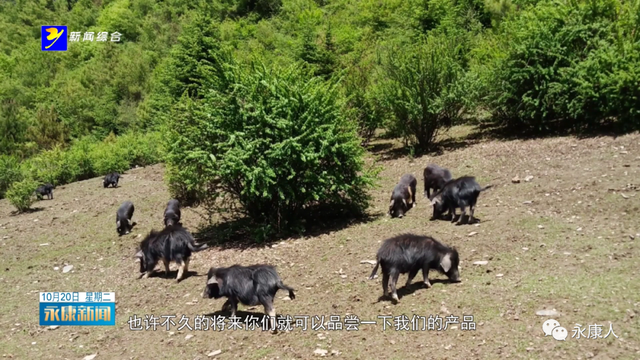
(425, 89)
(9, 173)
(21, 194)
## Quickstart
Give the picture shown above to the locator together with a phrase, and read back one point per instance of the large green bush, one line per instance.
(566, 65)
(426, 89)
(21, 194)
(275, 140)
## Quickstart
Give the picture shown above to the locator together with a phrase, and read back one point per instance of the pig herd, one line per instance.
(258, 284)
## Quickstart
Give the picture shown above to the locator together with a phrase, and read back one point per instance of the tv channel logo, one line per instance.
(77, 308)
(53, 38)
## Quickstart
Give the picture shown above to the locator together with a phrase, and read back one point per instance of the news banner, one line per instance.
(77, 308)
(99, 309)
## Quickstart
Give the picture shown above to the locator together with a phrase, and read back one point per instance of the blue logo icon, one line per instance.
(78, 308)
(53, 37)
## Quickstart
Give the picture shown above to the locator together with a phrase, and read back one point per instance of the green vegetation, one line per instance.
(21, 194)
(234, 71)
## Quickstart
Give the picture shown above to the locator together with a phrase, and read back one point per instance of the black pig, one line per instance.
(460, 193)
(403, 196)
(172, 213)
(434, 178)
(408, 253)
(111, 179)
(123, 218)
(173, 243)
(46, 189)
(250, 285)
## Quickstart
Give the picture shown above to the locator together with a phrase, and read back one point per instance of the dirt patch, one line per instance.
(565, 240)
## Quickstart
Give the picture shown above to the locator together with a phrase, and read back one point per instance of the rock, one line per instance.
(547, 312)
(67, 268)
(320, 352)
(56, 268)
(53, 327)
(214, 353)
(33, 343)
(343, 276)
(473, 233)
(499, 275)
(483, 262)
(372, 262)
(45, 244)
(448, 347)
(335, 352)
(528, 178)
(540, 226)
(525, 248)
(624, 196)
(528, 202)
(90, 357)
(515, 180)
(188, 337)
(35, 220)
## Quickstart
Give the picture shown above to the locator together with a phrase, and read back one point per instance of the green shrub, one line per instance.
(275, 140)
(142, 149)
(566, 66)
(49, 167)
(425, 89)
(108, 157)
(21, 194)
(10, 172)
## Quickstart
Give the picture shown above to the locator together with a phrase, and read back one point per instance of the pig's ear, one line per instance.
(138, 254)
(446, 263)
(436, 200)
(214, 281)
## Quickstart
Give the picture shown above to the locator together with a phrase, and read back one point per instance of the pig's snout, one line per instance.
(400, 216)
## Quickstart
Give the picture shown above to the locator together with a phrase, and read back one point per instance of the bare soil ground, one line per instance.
(574, 248)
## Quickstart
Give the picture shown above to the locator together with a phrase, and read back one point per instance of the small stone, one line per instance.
(567, 253)
(547, 313)
(320, 352)
(632, 237)
(525, 248)
(188, 337)
(448, 347)
(335, 352)
(343, 276)
(53, 327)
(171, 333)
(67, 268)
(515, 180)
(33, 343)
(528, 178)
(35, 220)
(214, 353)
(90, 357)
(483, 262)
(529, 349)
(45, 244)
(624, 196)
(56, 268)
(527, 202)
(499, 275)
(540, 226)
(372, 262)
(473, 233)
